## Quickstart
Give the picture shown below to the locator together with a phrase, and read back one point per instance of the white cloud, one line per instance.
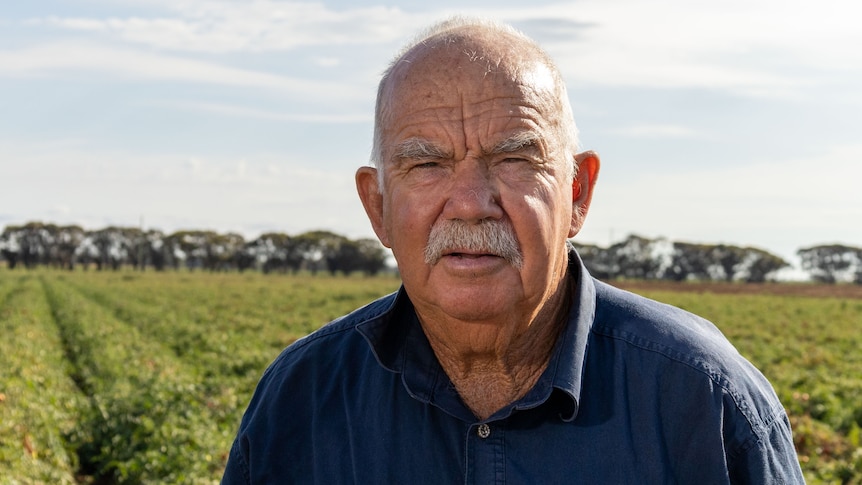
(262, 25)
(754, 47)
(46, 59)
(242, 111)
(327, 61)
(247, 194)
(63, 210)
(828, 180)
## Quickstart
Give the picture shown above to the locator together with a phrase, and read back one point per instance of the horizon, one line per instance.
(252, 236)
(791, 273)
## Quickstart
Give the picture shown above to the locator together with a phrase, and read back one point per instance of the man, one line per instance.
(501, 360)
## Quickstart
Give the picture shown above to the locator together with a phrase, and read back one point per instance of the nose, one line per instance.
(473, 194)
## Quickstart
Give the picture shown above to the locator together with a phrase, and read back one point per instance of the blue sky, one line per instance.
(718, 122)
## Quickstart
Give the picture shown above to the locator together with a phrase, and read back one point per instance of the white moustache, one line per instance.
(489, 236)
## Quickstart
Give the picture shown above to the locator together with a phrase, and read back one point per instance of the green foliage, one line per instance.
(143, 400)
(38, 399)
(641, 258)
(143, 377)
(831, 263)
(133, 377)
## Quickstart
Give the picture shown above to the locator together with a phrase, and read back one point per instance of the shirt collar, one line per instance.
(396, 338)
(566, 367)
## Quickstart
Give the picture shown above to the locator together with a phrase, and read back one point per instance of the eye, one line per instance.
(515, 162)
(424, 167)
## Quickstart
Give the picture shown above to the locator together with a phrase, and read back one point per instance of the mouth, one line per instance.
(470, 254)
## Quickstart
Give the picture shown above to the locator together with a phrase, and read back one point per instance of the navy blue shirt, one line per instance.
(635, 392)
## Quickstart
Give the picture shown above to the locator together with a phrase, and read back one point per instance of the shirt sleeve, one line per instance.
(771, 459)
(236, 471)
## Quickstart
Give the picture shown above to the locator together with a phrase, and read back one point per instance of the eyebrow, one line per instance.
(515, 143)
(418, 148)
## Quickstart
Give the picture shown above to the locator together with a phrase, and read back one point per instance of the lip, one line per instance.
(473, 263)
(467, 254)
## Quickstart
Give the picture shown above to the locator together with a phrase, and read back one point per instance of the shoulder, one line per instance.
(695, 367)
(686, 348)
(319, 367)
(307, 388)
(659, 327)
(335, 341)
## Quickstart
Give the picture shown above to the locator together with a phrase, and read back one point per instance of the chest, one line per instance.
(401, 441)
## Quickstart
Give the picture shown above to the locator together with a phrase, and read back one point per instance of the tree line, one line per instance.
(37, 244)
(638, 257)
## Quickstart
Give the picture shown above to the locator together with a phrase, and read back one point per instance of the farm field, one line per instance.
(143, 377)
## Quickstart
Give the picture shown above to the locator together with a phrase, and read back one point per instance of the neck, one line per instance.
(490, 377)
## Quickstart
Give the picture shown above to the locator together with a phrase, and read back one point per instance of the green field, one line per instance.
(142, 377)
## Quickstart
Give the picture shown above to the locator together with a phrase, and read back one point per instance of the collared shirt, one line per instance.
(635, 392)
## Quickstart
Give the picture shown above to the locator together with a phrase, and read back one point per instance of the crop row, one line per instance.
(148, 374)
(143, 377)
(143, 401)
(39, 401)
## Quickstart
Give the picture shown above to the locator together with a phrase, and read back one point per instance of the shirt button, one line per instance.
(484, 431)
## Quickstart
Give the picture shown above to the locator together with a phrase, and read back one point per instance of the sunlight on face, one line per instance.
(540, 77)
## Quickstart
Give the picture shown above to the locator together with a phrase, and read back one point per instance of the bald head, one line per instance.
(469, 52)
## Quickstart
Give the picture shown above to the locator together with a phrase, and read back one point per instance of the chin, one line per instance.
(479, 310)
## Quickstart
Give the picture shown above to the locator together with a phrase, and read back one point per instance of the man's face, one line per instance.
(462, 145)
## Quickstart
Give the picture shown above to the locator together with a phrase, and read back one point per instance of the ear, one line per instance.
(582, 188)
(372, 201)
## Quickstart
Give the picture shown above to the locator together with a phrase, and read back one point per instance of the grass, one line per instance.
(142, 377)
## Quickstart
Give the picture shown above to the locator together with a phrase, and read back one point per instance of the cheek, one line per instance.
(408, 224)
(548, 204)
(543, 218)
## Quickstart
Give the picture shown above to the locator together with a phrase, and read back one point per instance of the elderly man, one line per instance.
(501, 360)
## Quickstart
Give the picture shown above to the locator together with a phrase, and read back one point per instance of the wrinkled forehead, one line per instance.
(451, 63)
(456, 79)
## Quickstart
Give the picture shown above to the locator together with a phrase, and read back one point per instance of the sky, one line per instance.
(733, 122)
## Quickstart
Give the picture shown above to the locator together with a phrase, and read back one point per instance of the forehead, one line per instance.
(453, 86)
